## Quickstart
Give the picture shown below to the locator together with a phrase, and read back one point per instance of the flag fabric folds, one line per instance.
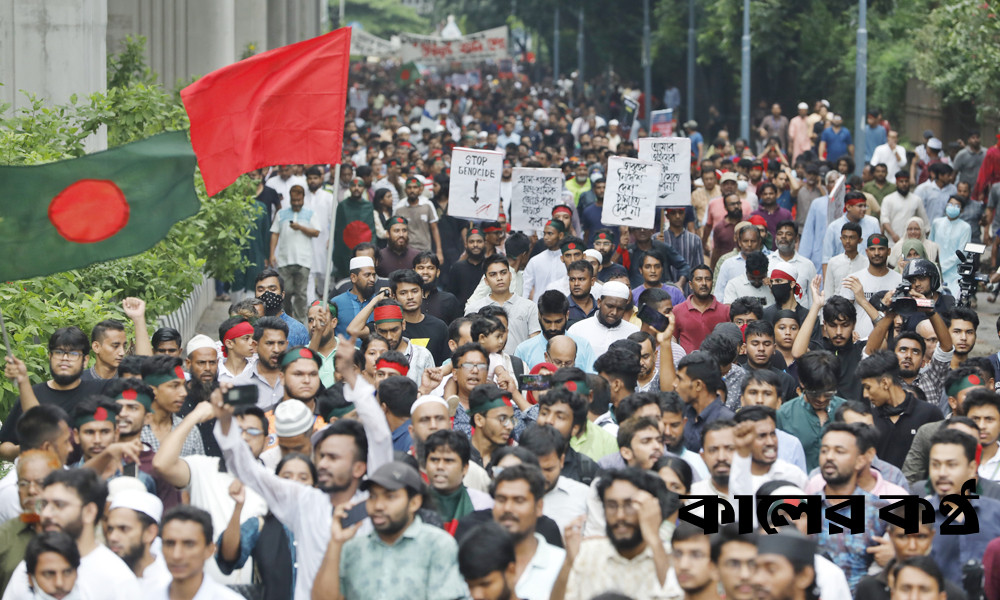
(282, 106)
(72, 213)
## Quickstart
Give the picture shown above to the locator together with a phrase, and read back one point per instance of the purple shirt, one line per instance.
(772, 219)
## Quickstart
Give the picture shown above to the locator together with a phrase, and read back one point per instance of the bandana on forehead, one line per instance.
(473, 232)
(142, 399)
(561, 208)
(387, 364)
(398, 221)
(413, 180)
(101, 414)
(779, 274)
(963, 384)
(157, 379)
(557, 225)
(329, 304)
(300, 352)
(238, 330)
(485, 407)
(358, 181)
(388, 313)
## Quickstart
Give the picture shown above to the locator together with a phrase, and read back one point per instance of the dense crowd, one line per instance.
(471, 411)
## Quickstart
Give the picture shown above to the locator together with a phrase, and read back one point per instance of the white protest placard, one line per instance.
(475, 184)
(630, 193)
(835, 209)
(674, 154)
(534, 193)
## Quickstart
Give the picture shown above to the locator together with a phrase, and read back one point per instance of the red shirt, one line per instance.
(692, 326)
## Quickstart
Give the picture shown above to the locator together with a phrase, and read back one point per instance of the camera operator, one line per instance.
(925, 282)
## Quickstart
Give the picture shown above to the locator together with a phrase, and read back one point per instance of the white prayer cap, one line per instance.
(803, 106)
(139, 501)
(427, 399)
(934, 143)
(613, 122)
(360, 262)
(616, 289)
(198, 342)
(292, 418)
(483, 135)
(402, 130)
(594, 254)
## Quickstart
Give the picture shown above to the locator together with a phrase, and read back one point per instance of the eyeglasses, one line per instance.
(474, 366)
(253, 431)
(504, 420)
(66, 353)
(27, 483)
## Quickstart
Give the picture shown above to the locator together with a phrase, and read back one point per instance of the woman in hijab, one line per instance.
(916, 229)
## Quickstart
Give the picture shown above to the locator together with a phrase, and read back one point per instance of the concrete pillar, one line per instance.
(251, 25)
(277, 17)
(210, 35)
(53, 49)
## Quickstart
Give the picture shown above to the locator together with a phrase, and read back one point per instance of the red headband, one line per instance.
(391, 312)
(562, 208)
(386, 364)
(238, 330)
(796, 288)
(854, 201)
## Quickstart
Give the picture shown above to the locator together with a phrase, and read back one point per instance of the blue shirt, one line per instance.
(696, 138)
(532, 352)
(813, 232)
(874, 137)
(401, 439)
(590, 221)
(298, 335)
(348, 307)
(836, 143)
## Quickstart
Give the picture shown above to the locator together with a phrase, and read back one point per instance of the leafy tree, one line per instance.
(383, 18)
(958, 53)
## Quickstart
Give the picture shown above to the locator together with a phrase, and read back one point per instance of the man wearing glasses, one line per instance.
(805, 416)
(492, 413)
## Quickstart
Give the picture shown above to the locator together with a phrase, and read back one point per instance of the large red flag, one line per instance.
(282, 106)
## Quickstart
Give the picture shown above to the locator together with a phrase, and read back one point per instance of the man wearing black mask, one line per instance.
(270, 287)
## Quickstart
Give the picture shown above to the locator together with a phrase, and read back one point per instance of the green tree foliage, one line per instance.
(959, 53)
(133, 108)
(383, 18)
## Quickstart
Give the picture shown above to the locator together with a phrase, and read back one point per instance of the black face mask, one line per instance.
(782, 292)
(272, 303)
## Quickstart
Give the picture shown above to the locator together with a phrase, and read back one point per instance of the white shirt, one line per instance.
(10, 502)
(566, 501)
(898, 210)
(841, 266)
(991, 468)
(893, 159)
(209, 590)
(542, 270)
(870, 284)
(102, 575)
(225, 375)
(281, 186)
(294, 246)
(743, 482)
(541, 572)
(156, 575)
(599, 336)
(740, 286)
(830, 580)
(324, 206)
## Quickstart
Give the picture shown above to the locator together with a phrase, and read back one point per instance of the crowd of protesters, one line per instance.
(480, 412)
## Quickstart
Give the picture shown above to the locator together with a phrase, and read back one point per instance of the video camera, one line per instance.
(969, 276)
(902, 303)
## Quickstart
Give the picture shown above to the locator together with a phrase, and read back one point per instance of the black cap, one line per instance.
(394, 476)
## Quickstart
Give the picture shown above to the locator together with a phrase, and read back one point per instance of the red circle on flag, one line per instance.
(405, 75)
(89, 210)
(356, 232)
(101, 414)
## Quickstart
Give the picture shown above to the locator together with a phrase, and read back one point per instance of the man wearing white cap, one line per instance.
(429, 414)
(293, 427)
(130, 530)
(614, 135)
(351, 302)
(607, 326)
(799, 132)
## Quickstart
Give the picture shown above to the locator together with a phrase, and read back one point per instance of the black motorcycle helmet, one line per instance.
(921, 267)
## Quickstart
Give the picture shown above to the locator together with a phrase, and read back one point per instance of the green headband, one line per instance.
(300, 352)
(340, 411)
(156, 379)
(329, 304)
(142, 399)
(101, 414)
(963, 384)
(485, 407)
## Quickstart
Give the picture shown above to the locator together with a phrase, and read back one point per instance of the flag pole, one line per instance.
(329, 239)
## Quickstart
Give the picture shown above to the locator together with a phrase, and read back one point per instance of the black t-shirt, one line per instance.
(465, 276)
(432, 334)
(849, 386)
(443, 305)
(64, 399)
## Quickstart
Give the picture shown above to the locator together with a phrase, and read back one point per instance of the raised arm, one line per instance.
(359, 392)
(229, 549)
(167, 461)
(135, 309)
(801, 345)
(665, 340)
(326, 586)
(358, 327)
(17, 371)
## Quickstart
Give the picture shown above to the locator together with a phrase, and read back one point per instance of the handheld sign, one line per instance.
(475, 184)
(535, 193)
(630, 194)
(674, 154)
(835, 209)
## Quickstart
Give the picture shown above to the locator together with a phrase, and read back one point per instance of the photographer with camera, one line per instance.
(924, 280)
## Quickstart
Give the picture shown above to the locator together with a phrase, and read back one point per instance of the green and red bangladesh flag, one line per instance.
(72, 213)
(283, 106)
(408, 74)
